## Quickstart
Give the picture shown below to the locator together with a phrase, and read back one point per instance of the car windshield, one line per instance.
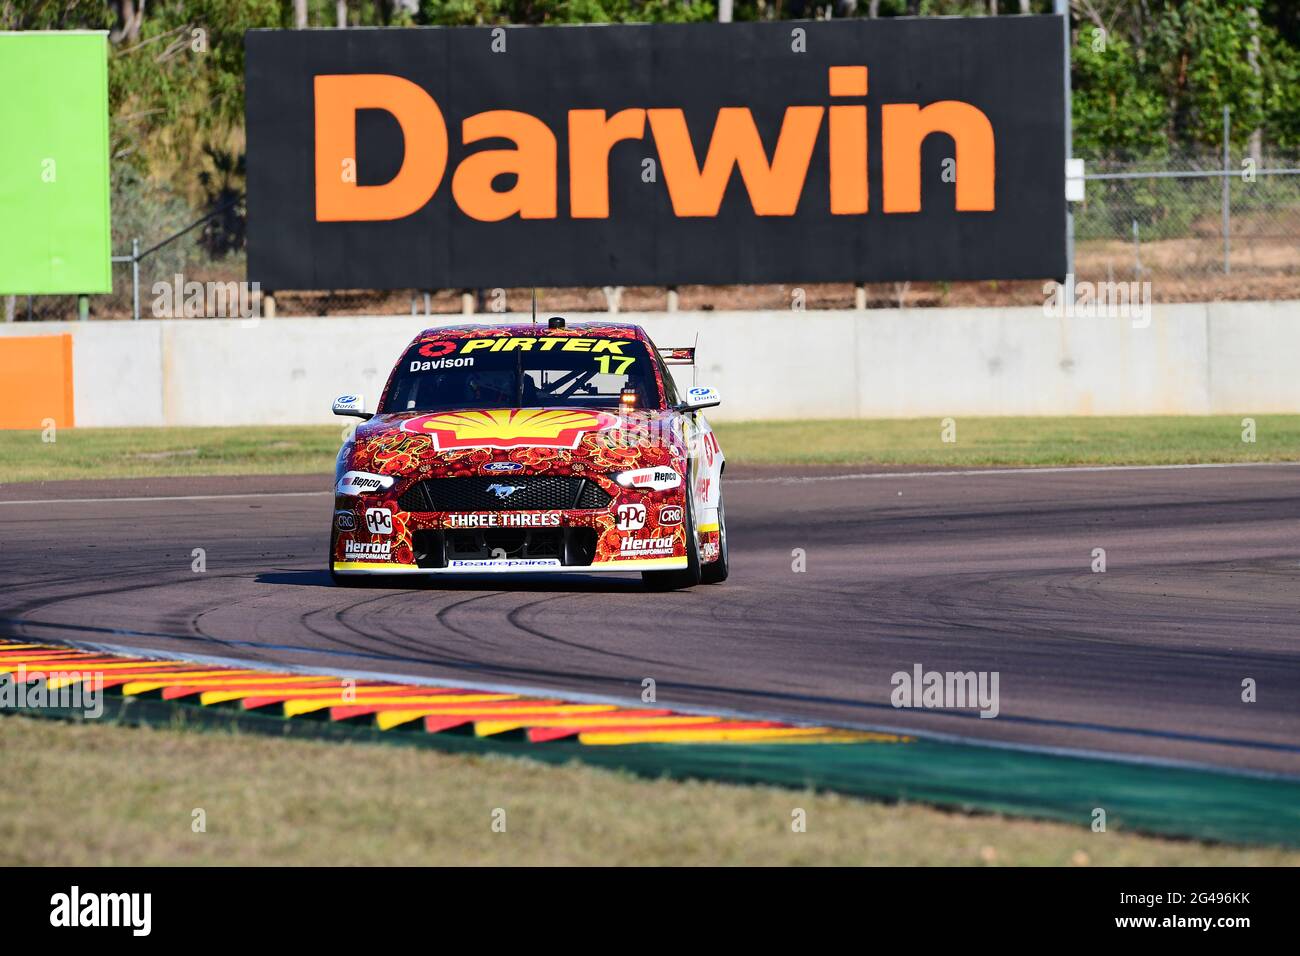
(445, 374)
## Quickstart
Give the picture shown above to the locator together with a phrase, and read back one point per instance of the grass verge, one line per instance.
(103, 794)
(1151, 440)
(280, 450)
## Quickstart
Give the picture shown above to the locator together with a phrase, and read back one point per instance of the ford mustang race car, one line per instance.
(532, 449)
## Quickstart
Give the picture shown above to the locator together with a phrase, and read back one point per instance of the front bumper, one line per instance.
(512, 566)
(635, 530)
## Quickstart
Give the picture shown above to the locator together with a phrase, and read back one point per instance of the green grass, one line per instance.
(98, 794)
(1154, 440)
(148, 452)
(145, 452)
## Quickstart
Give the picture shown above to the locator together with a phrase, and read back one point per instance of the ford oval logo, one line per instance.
(497, 467)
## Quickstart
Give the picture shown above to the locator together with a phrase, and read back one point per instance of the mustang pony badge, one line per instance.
(509, 427)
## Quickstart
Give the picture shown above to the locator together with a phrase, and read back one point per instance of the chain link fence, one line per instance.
(1197, 226)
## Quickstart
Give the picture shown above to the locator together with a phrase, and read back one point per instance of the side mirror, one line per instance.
(352, 405)
(698, 397)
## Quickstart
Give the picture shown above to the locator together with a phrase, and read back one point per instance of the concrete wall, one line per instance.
(1192, 359)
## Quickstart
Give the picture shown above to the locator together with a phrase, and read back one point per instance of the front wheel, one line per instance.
(686, 577)
(715, 572)
(335, 577)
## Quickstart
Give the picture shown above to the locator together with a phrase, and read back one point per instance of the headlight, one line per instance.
(363, 483)
(652, 479)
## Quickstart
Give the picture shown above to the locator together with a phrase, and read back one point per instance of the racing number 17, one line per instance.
(604, 362)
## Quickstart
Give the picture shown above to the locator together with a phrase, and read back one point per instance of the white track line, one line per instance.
(786, 479)
(250, 494)
(972, 472)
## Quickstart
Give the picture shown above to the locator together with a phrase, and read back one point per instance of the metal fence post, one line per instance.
(135, 279)
(1062, 9)
(1137, 254)
(1227, 185)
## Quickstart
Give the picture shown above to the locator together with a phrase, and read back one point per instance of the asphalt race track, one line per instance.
(957, 571)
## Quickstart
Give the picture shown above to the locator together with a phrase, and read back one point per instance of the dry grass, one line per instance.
(103, 794)
(311, 449)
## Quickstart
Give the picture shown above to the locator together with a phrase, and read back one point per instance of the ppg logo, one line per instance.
(379, 521)
(631, 517)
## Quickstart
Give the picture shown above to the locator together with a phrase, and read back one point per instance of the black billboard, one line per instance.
(465, 157)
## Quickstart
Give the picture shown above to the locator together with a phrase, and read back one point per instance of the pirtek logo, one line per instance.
(774, 185)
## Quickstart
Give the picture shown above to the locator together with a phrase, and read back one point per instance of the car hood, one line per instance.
(551, 440)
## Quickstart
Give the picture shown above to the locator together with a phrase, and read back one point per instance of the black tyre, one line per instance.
(329, 562)
(686, 577)
(715, 572)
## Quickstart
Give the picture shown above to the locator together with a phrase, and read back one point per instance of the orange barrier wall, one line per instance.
(37, 375)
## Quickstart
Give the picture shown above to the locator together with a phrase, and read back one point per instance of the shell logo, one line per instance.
(509, 427)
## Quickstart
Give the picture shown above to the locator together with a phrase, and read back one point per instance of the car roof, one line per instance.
(616, 329)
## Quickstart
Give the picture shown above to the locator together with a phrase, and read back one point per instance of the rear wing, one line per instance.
(679, 356)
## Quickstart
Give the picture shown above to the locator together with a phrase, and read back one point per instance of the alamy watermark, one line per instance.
(66, 690)
(943, 689)
(178, 299)
(1098, 300)
(133, 911)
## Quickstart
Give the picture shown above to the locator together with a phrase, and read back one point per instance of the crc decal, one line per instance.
(509, 428)
(670, 514)
(345, 520)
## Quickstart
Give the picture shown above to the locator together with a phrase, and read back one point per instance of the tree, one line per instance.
(1115, 112)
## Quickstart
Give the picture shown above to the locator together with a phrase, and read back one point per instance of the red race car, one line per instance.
(532, 449)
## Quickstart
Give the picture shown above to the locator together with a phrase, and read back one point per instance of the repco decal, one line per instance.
(696, 175)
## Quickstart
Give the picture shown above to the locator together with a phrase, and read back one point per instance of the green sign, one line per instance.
(54, 225)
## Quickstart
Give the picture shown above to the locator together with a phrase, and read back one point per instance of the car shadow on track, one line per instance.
(533, 584)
